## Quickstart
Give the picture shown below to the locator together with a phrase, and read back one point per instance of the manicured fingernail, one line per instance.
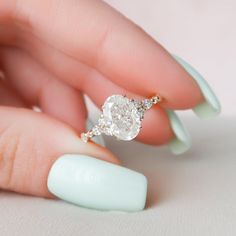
(182, 141)
(93, 183)
(97, 139)
(211, 106)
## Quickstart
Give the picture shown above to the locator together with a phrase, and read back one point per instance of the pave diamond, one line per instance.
(96, 130)
(105, 125)
(123, 116)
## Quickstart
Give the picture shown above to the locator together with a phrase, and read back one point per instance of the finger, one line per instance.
(156, 127)
(39, 141)
(100, 37)
(87, 79)
(8, 97)
(39, 87)
(32, 161)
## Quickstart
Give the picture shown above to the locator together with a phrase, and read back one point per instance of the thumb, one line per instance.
(33, 161)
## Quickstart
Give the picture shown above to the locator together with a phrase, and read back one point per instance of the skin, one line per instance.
(54, 51)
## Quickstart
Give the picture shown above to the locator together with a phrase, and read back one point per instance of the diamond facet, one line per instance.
(122, 115)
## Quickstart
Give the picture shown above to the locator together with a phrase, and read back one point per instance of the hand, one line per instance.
(53, 52)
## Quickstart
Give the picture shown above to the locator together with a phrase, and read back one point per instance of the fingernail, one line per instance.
(182, 141)
(97, 139)
(93, 183)
(211, 106)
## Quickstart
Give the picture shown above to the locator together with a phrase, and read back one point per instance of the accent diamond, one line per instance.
(147, 104)
(96, 130)
(84, 137)
(105, 125)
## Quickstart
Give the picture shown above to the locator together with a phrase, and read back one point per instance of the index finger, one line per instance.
(97, 35)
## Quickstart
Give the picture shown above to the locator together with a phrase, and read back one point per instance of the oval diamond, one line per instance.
(123, 116)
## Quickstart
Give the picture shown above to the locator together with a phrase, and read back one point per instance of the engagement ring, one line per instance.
(121, 117)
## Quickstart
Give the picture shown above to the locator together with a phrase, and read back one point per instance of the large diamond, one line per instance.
(123, 116)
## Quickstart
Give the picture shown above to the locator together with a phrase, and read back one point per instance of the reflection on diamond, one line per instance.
(123, 116)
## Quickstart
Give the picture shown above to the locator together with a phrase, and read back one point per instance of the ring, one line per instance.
(121, 117)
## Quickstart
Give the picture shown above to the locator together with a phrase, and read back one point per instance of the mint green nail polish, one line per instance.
(93, 183)
(97, 139)
(211, 107)
(182, 141)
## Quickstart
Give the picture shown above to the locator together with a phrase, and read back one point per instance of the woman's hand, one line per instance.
(51, 54)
